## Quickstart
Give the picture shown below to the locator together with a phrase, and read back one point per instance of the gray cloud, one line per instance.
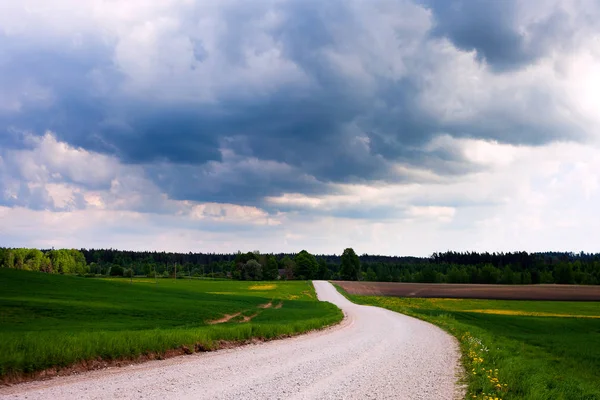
(504, 33)
(296, 94)
(489, 27)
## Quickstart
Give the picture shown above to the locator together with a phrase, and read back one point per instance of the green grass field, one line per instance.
(53, 320)
(517, 349)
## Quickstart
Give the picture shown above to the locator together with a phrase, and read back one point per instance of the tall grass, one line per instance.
(34, 351)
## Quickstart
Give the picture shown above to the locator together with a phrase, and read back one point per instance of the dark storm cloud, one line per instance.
(71, 108)
(492, 29)
(239, 181)
(486, 26)
(330, 129)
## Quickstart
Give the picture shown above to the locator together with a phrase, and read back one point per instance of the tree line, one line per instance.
(447, 267)
(63, 261)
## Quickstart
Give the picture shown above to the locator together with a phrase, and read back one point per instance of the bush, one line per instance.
(116, 270)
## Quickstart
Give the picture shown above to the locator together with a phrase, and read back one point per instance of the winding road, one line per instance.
(373, 354)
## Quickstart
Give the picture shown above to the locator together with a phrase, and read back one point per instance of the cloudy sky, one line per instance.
(392, 126)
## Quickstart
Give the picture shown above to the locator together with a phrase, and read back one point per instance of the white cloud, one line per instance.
(62, 178)
(123, 229)
(443, 214)
(506, 196)
(579, 76)
(531, 198)
(156, 45)
(477, 151)
(50, 159)
(545, 198)
(232, 213)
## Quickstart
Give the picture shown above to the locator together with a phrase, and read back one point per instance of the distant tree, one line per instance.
(271, 268)
(242, 270)
(563, 273)
(526, 278)
(252, 271)
(306, 265)
(242, 258)
(350, 268)
(384, 273)
(33, 259)
(507, 277)
(7, 258)
(289, 267)
(490, 274)
(370, 276)
(79, 265)
(546, 277)
(323, 272)
(452, 267)
(61, 261)
(429, 275)
(116, 270)
(457, 275)
(19, 258)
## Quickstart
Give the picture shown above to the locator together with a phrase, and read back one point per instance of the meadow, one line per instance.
(49, 321)
(516, 349)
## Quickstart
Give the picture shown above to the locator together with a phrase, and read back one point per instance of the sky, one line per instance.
(394, 127)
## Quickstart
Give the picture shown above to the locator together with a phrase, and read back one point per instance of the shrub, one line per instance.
(116, 270)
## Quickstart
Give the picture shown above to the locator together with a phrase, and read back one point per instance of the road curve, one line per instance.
(373, 354)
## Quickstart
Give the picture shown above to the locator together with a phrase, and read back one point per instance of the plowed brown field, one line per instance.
(471, 291)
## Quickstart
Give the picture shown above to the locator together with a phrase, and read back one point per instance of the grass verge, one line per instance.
(535, 350)
(52, 321)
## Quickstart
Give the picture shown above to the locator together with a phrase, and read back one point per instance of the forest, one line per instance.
(448, 267)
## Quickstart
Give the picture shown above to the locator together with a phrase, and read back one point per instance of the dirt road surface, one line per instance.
(373, 354)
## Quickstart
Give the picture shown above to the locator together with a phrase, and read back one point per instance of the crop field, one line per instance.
(51, 321)
(516, 349)
(474, 291)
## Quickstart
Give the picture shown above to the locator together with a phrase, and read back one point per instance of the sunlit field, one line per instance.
(516, 349)
(53, 320)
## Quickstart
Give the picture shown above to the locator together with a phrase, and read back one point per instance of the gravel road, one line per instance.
(373, 354)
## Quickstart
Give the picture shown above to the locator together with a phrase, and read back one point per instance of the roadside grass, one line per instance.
(51, 321)
(535, 350)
